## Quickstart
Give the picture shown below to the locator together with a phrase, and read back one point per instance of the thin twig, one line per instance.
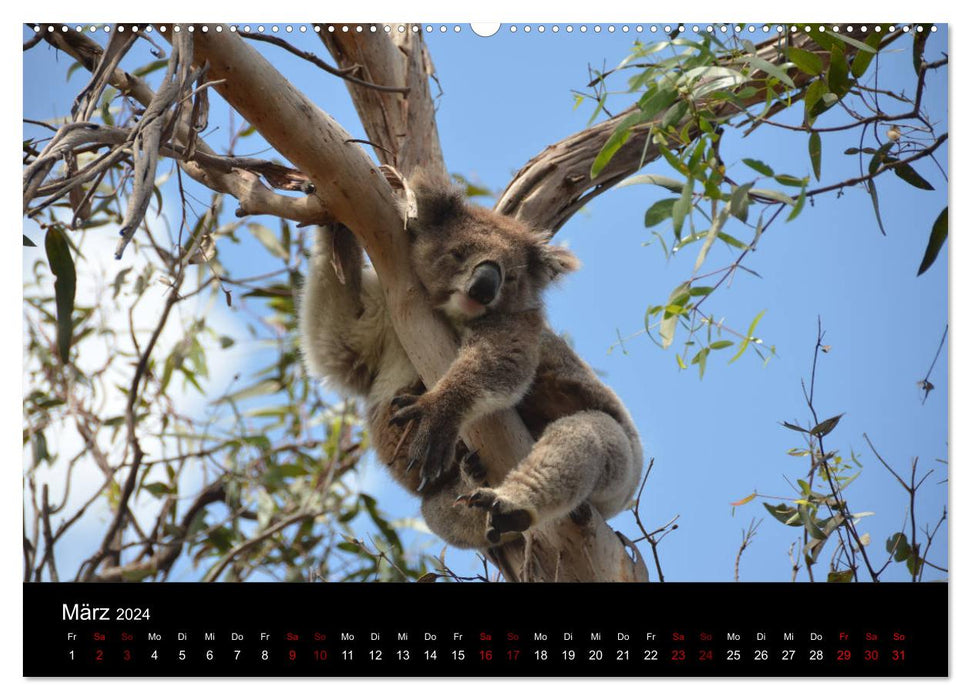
(343, 73)
(925, 383)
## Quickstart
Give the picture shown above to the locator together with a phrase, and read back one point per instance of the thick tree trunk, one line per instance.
(354, 192)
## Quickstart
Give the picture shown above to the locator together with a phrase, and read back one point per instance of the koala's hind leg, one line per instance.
(586, 456)
(459, 526)
(335, 326)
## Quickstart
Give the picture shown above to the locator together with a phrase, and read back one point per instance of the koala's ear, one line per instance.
(437, 201)
(553, 260)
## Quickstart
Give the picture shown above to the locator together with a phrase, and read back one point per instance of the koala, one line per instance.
(486, 274)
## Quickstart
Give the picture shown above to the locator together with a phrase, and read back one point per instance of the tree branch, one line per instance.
(343, 73)
(351, 187)
(254, 197)
(556, 183)
(403, 129)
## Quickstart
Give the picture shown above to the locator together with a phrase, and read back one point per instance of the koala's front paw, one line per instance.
(503, 515)
(432, 440)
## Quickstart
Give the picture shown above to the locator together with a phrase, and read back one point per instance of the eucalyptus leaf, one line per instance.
(668, 183)
(911, 177)
(748, 336)
(934, 243)
(872, 189)
(816, 153)
(759, 167)
(826, 426)
(682, 206)
(65, 286)
(670, 320)
(269, 240)
(659, 211)
(806, 61)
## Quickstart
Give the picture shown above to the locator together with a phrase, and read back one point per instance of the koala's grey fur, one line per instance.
(587, 448)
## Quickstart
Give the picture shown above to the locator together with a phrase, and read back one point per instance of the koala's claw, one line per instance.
(471, 465)
(433, 456)
(404, 408)
(503, 516)
(411, 465)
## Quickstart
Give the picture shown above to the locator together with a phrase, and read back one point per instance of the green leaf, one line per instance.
(716, 226)
(675, 114)
(269, 240)
(797, 208)
(910, 176)
(758, 234)
(738, 204)
(759, 167)
(616, 140)
(816, 153)
(806, 61)
(791, 426)
(774, 195)
(935, 242)
(898, 546)
(668, 183)
(826, 426)
(261, 388)
(389, 533)
(812, 101)
(158, 489)
(731, 240)
(701, 291)
(872, 189)
(791, 180)
(748, 337)
(683, 206)
(785, 514)
(653, 102)
(863, 59)
(879, 157)
(71, 69)
(659, 211)
(914, 563)
(65, 286)
(721, 344)
(845, 576)
(701, 359)
(838, 74)
(28, 243)
(856, 43)
(769, 69)
(669, 321)
(151, 67)
(824, 39)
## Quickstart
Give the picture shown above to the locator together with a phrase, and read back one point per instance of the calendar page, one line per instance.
(416, 349)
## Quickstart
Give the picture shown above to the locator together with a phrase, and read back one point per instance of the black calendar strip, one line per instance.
(347, 630)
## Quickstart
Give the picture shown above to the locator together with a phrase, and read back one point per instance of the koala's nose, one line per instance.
(485, 282)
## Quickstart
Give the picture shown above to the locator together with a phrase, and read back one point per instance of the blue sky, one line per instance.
(716, 440)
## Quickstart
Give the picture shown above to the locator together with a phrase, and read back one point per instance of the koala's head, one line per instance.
(473, 261)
